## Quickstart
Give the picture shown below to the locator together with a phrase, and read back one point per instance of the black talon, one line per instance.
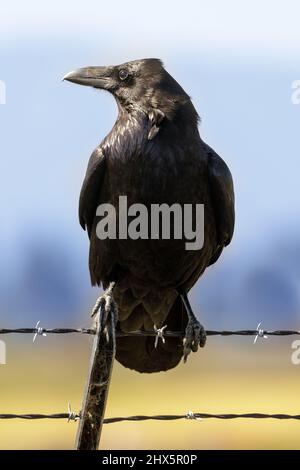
(106, 305)
(195, 334)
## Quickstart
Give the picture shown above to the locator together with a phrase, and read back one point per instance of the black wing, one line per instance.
(222, 196)
(91, 187)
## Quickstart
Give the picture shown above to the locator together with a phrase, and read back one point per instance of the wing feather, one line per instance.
(222, 197)
(91, 187)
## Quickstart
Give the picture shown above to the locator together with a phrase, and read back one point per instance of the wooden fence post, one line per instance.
(97, 387)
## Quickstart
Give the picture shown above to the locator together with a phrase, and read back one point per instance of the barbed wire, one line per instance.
(40, 330)
(72, 416)
(199, 416)
(37, 416)
(91, 331)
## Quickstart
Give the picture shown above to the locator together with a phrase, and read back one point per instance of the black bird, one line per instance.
(153, 155)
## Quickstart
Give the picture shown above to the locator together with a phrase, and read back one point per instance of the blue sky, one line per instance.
(237, 60)
(249, 27)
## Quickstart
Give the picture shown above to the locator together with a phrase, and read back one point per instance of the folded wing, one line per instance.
(222, 197)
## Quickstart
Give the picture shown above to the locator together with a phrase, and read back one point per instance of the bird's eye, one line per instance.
(123, 74)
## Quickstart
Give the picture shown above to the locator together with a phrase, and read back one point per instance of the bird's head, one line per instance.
(142, 85)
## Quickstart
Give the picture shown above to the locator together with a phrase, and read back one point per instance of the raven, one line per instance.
(154, 155)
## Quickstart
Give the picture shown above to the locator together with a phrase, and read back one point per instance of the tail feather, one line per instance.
(140, 354)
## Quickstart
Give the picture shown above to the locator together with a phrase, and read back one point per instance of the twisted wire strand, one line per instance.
(72, 416)
(167, 333)
(188, 416)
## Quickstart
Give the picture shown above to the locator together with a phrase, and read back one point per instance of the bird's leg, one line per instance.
(106, 305)
(195, 334)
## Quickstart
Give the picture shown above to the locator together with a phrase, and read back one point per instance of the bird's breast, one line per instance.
(154, 172)
(162, 169)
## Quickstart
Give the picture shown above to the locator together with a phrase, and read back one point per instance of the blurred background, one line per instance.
(238, 61)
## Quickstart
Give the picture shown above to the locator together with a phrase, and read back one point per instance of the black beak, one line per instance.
(97, 77)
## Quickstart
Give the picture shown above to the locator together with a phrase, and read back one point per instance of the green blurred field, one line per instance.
(230, 375)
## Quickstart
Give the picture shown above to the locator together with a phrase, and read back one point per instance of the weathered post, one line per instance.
(97, 387)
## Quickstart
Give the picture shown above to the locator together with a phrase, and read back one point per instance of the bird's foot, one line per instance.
(195, 336)
(105, 306)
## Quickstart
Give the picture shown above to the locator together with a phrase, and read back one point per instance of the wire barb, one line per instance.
(260, 333)
(192, 415)
(159, 334)
(73, 416)
(39, 331)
